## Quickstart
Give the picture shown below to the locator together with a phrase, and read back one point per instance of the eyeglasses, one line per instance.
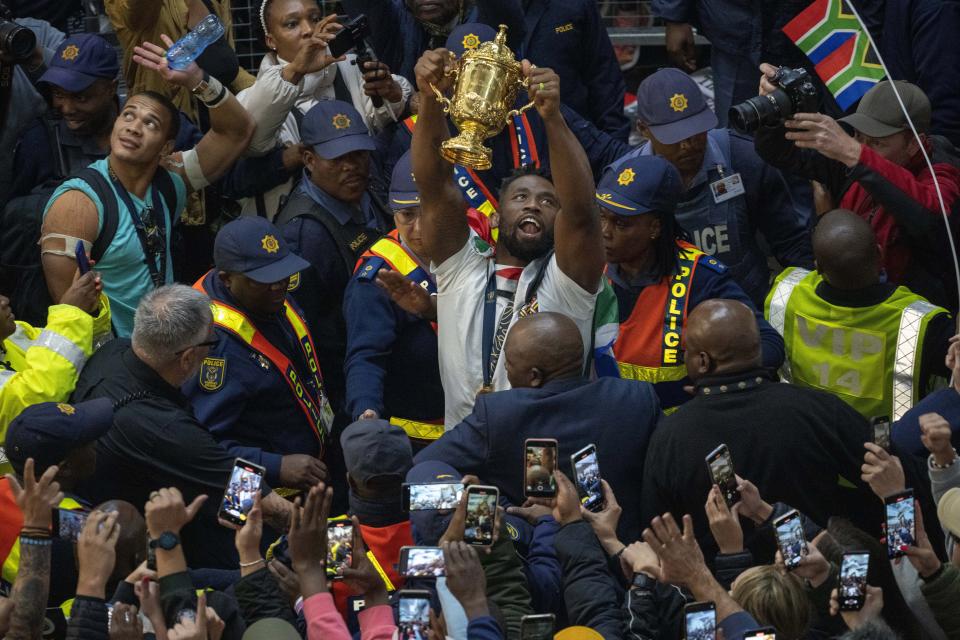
(406, 216)
(212, 342)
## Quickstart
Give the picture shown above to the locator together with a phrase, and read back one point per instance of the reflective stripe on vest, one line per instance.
(650, 345)
(392, 252)
(315, 409)
(868, 356)
(907, 358)
(419, 430)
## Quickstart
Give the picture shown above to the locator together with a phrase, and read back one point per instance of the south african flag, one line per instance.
(831, 36)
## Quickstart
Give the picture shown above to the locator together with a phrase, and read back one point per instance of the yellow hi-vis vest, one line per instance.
(869, 357)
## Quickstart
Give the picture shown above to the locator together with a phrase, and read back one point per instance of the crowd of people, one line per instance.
(272, 367)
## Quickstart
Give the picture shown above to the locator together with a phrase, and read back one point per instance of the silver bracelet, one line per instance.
(244, 565)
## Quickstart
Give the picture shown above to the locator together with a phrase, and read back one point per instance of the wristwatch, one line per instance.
(643, 581)
(167, 541)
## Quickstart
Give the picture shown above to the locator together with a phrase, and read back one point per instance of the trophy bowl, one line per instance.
(487, 81)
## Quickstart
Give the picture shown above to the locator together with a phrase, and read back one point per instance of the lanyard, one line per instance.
(494, 332)
(157, 276)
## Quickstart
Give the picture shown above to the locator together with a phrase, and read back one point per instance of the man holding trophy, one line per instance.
(549, 256)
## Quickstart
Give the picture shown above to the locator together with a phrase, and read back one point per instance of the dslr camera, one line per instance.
(795, 93)
(16, 42)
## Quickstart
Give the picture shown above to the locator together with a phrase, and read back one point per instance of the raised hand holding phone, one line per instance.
(361, 575)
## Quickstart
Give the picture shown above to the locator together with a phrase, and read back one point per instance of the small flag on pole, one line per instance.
(831, 36)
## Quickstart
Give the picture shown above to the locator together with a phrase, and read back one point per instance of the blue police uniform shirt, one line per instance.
(126, 278)
(710, 280)
(727, 230)
(392, 362)
(253, 413)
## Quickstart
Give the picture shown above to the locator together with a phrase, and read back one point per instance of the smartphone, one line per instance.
(539, 463)
(414, 614)
(240, 492)
(901, 525)
(537, 626)
(586, 473)
(431, 495)
(421, 562)
(853, 580)
(83, 263)
(700, 621)
(350, 37)
(763, 633)
(790, 538)
(339, 547)
(481, 516)
(881, 431)
(68, 523)
(720, 465)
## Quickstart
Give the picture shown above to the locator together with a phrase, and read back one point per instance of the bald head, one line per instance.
(131, 545)
(846, 250)
(542, 347)
(722, 337)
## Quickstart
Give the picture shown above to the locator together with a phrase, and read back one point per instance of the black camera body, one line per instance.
(16, 42)
(796, 93)
(350, 37)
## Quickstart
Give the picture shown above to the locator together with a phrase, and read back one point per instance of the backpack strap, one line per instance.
(168, 191)
(111, 213)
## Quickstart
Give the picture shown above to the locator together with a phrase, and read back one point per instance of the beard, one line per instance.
(527, 250)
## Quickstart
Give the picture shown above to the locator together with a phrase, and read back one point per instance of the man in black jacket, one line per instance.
(155, 440)
(799, 446)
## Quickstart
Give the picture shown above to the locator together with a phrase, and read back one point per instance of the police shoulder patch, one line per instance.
(212, 373)
(713, 264)
(512, 532)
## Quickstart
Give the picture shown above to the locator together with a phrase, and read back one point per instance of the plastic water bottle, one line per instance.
(189, 47)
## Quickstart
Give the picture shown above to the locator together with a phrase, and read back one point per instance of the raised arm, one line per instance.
(231, 127)
(443, 221)
(577, 230)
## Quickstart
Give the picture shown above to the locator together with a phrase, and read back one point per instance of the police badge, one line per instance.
(212, 373)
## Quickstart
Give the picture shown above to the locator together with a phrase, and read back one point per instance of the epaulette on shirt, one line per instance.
(371, 267)
(713, 264)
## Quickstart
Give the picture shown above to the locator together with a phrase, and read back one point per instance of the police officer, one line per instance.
(871, 343)
(49, 372)
(330, 219)
(658, 277)
(728, 193)
(391, 366)
(260, 390)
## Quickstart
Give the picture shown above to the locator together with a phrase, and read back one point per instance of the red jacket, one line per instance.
(913, 188)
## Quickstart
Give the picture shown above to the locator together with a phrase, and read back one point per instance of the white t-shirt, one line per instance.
(461, 286)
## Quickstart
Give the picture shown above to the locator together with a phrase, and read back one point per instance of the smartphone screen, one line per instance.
(766, 633)
(901, 526)
(790, 538)
(540, 461)
(241, 491)
(421, 562)
(537, 626)
(586, 473)
(481, 515)
(853, 580)
(70, 523)
(700, 621)
(339, 547)
(881, 431)
(414, 615)
(83, 264)
(720, 464)
(434, 495)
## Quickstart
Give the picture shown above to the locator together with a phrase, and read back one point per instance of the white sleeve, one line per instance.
(459, 267)
(268, 101)
(559, 293)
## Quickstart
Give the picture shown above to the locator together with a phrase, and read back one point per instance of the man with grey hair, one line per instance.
(155, 440)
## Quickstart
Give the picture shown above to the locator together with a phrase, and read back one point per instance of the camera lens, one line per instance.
(750, 114)
(16, 41)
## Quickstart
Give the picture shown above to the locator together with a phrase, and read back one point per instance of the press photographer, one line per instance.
(879, 172)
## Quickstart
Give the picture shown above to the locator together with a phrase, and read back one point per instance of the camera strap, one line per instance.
(6, 88)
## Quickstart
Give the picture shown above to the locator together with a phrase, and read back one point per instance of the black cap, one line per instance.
(374, 448)
(254, 246)
(48, 432)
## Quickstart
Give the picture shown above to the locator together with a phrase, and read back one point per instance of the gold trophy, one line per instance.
(487, 81)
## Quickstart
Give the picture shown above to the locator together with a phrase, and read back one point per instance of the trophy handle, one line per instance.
(442, 99)
(515, 112)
